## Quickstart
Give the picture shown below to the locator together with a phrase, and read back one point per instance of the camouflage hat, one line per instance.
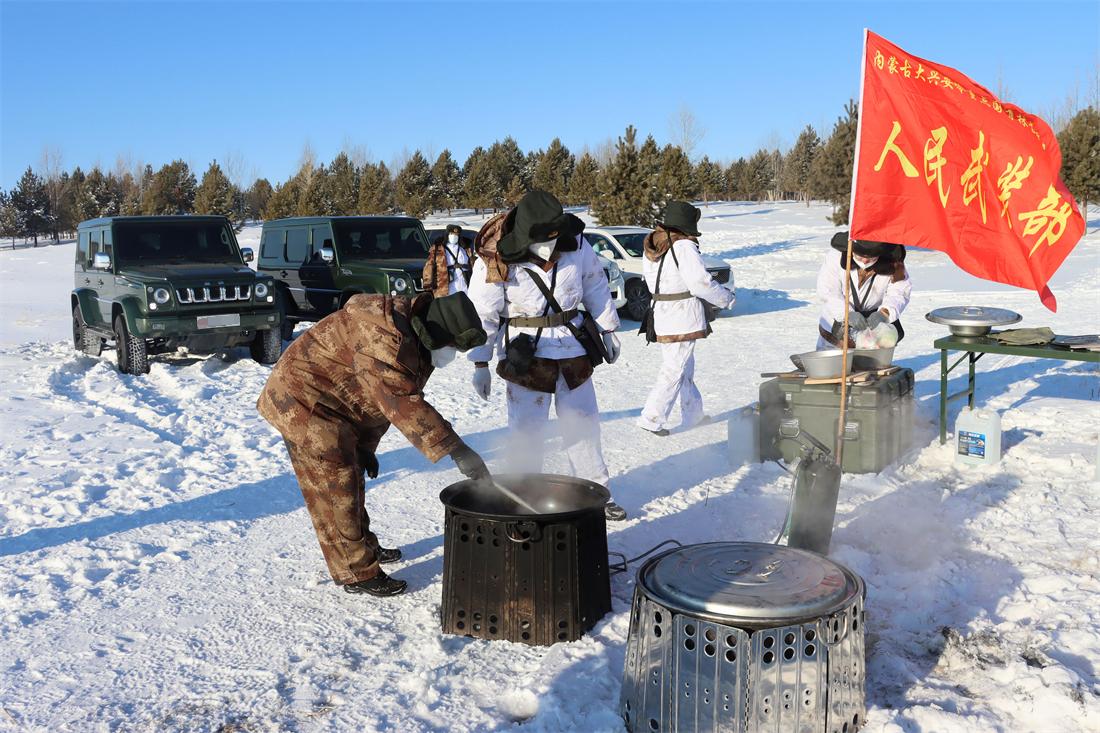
(450, 321)
(537, 215)
(681, 216)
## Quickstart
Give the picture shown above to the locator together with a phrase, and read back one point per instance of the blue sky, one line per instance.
(156, 81)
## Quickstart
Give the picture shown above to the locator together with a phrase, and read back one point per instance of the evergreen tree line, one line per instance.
(629, 186)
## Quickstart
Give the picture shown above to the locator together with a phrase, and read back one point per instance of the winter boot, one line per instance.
(380, 585)
(613, 512)
(387, 555)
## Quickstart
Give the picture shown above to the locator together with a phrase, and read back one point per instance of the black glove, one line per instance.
(469, 463)
(875, 319)
(371, 464)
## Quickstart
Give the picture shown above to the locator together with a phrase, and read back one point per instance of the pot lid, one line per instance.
(973, 315)
(749, 584)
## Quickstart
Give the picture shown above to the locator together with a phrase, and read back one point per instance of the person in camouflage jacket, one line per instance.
(334, 394)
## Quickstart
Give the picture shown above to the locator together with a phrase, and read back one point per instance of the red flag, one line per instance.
(942, 163)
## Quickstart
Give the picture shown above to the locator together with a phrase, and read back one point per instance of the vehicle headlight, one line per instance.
(161, 295)
(399, 284)
(616, 271)
(261, 290)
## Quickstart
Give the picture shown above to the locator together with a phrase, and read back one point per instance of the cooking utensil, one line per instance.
(796, 359)
(825, 364)
(872, 359)
(973, 320)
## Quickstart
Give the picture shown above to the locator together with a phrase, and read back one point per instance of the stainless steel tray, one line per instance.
(973, 320)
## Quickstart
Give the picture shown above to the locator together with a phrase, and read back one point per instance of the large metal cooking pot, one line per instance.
(553, 497)
(525, 558)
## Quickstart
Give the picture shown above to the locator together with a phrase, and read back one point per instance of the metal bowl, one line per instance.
(825, 364)
(973, 320)
(541, 496)
(868, 360)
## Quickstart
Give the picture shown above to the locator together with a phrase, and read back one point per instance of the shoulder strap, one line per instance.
(548, 293)
(660, 267)
(857, 300)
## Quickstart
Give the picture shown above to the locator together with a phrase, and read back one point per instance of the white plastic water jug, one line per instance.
(978, 437)
(743, 436)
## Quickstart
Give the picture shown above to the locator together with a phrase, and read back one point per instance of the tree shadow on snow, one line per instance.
(756, 250)
(243, 502)
(751, 301)
(925, 582)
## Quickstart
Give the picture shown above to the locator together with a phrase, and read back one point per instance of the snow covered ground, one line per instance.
(158, 570)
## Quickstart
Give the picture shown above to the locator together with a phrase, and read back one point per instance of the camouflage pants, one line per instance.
(333, 492)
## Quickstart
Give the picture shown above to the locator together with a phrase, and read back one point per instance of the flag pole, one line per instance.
(844, 356)
(839, 453)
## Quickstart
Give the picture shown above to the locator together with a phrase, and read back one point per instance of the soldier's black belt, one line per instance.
(548, 321)
(662, 297)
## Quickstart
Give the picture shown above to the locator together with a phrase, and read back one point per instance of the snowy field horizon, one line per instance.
(158, 570)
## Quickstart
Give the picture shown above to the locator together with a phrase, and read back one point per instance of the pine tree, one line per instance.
(1080, 144)
(98, 196)
(171, 191)
(796, 169)
(8, 221)
(710, 180)
(831, 171)
(375, 189)
(624, 194)
(735, 175)
(343, 186)
(256, 198)
(413, 186)
(554, 169)
(216, 195)
(649, 165)
(31, 202)
(284, 200)
(756, 176)
(479, 181)
(315, 199)
(583, 184)
(508, 163)
(446, 182)
(675, 177)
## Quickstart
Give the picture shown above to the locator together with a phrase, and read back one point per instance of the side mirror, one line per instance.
(247, 255)
(101, 261)
(327, 253)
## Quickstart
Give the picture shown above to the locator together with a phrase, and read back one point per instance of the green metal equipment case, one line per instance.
(879, 420)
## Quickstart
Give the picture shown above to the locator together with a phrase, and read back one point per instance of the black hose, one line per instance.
(620, 567)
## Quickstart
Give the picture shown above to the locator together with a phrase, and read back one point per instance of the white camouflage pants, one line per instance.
(676, 378)
(579, 420)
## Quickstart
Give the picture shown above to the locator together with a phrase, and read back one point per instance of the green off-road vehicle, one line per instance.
(321, 261)
(152, 284)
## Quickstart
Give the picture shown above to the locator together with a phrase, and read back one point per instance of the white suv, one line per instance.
(623, 245)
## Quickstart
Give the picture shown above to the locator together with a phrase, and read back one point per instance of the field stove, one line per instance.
(743, 636)
(536, 574)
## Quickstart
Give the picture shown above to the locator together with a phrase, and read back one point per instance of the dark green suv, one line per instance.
(321, 261)
(152, 284)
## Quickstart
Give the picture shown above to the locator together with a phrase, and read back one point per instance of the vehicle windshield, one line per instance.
(146, 243)
(632, 243)
(366, 239)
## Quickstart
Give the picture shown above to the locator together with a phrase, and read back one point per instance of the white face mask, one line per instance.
(443, 357)
(864, 264)
(543, 250)
(452, 239)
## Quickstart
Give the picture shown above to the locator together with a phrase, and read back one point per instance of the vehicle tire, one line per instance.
(286, 326)
(133, 357)
(267, 347)
(85, 340)
(637, 299)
